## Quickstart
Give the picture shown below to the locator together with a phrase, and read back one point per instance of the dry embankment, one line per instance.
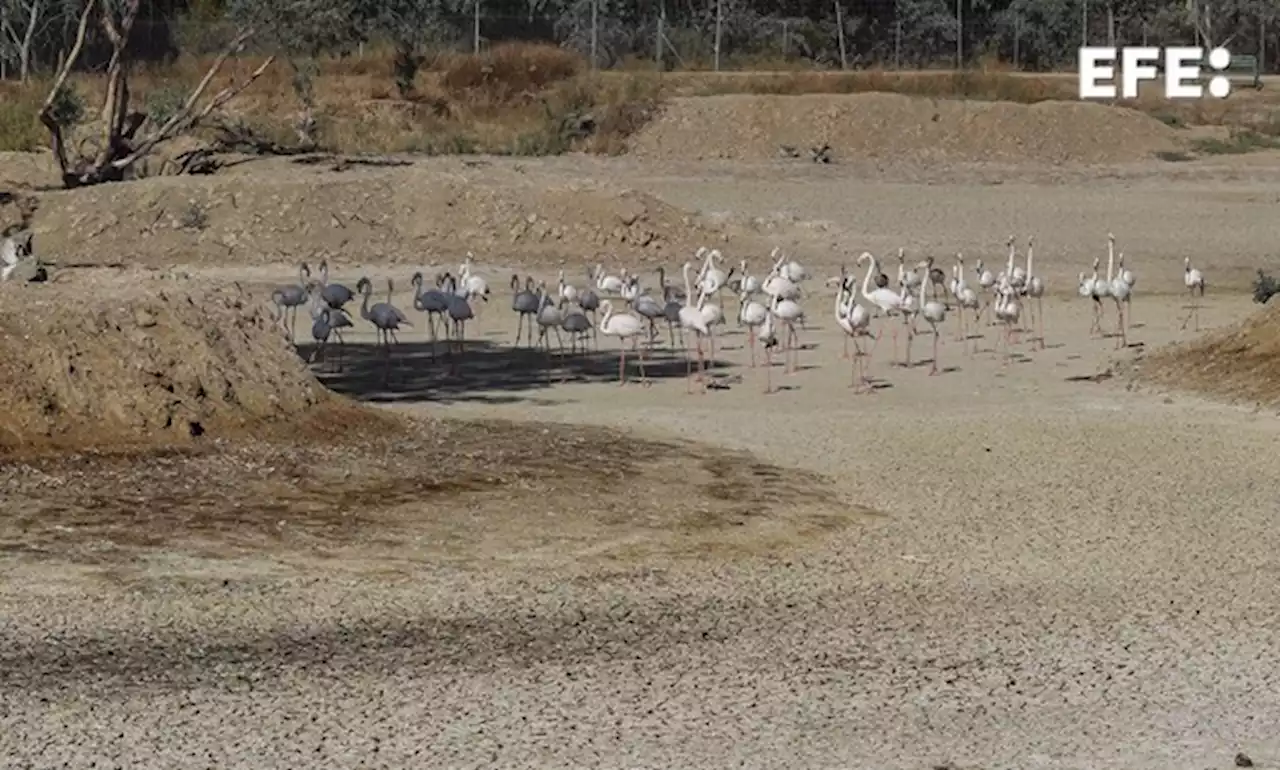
(878, 125)
(1239, 363)
(275, 210)
(134, 361)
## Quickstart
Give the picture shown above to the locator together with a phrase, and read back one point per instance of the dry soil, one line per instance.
(1046, 557)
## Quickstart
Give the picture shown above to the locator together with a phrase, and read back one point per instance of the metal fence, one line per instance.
(746, 40)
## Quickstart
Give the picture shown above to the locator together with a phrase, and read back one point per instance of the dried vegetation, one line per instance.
(531, 99)
(1240, 363)
(470, 493)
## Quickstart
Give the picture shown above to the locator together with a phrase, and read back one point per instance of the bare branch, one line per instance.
(184, 119)
(60, 80)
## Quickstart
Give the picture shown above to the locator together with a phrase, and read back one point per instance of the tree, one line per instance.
(22, 23)
(301, 31)
(120, 147)
(413, 27)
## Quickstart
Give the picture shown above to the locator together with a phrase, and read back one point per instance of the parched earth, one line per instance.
(1054, 558)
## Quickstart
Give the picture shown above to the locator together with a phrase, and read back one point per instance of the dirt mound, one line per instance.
(1241, 362)
(276, 210)
(747, 127)
(134, 360)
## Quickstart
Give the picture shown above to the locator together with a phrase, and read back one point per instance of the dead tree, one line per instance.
(120, 147)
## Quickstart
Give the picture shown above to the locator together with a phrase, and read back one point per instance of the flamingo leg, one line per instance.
(688, 370)
(768, 369)
(845, 353)
(644, 378)
(702, 366)
(934, 369)
(1040, 319)
(622, 365)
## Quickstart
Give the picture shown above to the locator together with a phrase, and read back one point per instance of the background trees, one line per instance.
(1033, 34)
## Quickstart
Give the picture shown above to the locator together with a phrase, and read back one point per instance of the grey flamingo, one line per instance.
(335, 295)
(290, 298)
(328, 322)
(589, 301)
(433, 302)
(650, 310)
(525, 302)
(387, 318)
(577, 325)
(460, 312)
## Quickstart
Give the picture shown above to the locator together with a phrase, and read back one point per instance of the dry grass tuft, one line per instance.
(1238, 363)
(509, 73)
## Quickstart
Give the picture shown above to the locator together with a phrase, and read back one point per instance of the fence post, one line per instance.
(719, 24)
(595, 8)
(959, 35)
(897, 43)
(475, 30)
(844, 59)
(657, 54)
(786, 44)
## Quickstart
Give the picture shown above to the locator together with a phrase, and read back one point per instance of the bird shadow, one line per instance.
(483, 372)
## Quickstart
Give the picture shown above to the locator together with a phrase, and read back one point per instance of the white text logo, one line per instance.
(1182, 71)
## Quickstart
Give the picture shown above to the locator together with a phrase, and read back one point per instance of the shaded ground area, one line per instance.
(482, 370)
(1239, 363)
(443, 491)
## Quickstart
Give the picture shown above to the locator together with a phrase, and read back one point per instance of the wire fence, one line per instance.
(747, 40)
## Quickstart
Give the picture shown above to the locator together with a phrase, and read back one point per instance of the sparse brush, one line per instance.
(1264, 288)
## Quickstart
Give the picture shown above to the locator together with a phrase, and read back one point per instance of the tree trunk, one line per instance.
(28, 38)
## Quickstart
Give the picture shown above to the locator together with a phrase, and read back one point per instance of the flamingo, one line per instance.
(1193, 279)
(568, 291)
(1017, 276)
(1033, 287)
(1119, 293)
(934, 313)
(853, 320)
(768, 336)
(713, 315)
(608, 284)
(1126, 275)
(473, 285)
(1007, 310)
(751, 314)
(887, 300)
(691, 319)
(789, 312)
(625, 327)
(967, 298)
(986, 283)
(549, 317)
(749, 284)
(1098, 289)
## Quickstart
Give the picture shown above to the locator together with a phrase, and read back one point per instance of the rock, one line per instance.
(144, 318)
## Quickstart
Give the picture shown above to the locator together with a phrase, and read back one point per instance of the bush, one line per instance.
(20, 129)
(509, 72)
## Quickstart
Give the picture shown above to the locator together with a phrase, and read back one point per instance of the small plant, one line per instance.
(164, 103)
(1174, 156)
(1239, 142)
(193, 217)
(404, 69)
(67, 107)
(1264, 288)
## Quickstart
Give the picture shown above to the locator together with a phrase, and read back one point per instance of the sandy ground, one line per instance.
(1040, 563)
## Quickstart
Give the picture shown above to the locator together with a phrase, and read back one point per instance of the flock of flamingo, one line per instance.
(769, 307)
